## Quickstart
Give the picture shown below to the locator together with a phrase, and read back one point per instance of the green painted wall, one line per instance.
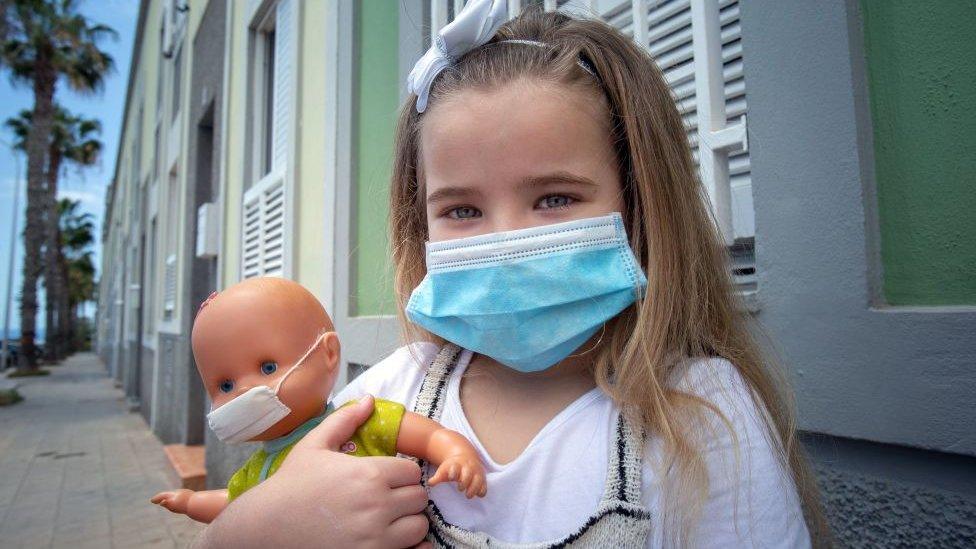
(377, 101)
(921, 59)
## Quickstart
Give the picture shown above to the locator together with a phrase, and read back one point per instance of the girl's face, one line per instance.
(525, 154)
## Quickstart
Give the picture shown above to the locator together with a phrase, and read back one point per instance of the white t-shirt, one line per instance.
(555, 485)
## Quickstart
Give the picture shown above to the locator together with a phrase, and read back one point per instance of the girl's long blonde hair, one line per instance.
(690, 308)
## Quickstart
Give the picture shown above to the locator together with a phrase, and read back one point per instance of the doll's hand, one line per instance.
(467, 470)
(174, 500)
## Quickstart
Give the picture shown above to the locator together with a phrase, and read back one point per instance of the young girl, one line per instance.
(606, 412)
(571, 313)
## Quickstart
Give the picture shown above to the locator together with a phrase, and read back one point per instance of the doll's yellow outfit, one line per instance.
(376, 437)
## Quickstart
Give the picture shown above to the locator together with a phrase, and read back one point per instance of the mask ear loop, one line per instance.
(298, 364)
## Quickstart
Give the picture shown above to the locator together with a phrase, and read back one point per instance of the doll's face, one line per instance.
(255, 332)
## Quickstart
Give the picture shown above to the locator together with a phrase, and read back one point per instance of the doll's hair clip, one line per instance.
(207, 301)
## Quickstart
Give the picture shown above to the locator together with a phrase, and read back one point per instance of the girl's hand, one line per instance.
(321, 497)
(174, 500)
(467, 470)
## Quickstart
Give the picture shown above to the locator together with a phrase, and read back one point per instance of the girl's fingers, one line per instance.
(398, 471)
(406, 531)
(407, 500)
(339, 427)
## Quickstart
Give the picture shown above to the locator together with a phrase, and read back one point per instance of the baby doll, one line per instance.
(268, 356)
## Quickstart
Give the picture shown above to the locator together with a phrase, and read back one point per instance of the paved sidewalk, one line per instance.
(77, 469)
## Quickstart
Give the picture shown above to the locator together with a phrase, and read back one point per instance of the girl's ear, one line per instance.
(330, 343)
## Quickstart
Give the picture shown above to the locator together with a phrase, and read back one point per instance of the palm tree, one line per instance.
(46, 40)
(3, 20)
(77, 230)
(72, 142)
(81, 149)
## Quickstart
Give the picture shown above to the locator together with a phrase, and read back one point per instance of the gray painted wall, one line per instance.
(145, 365)
(130, 367)
(867, 511)
(202, 186)
(171, 423)
(903, 377)
(861, 370)
(881, 495)
(181, 414)
(223, 460)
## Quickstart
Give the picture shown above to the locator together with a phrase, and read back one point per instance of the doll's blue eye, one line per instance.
(226, 386)
(269, 368)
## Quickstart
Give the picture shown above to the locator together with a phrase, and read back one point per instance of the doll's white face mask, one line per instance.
(255, 411)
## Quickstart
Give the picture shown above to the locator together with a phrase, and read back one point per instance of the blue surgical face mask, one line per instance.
(528, 298)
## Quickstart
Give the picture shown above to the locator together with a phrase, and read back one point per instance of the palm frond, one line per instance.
(54, 32)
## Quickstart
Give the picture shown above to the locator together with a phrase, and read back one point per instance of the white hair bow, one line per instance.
(472, 27)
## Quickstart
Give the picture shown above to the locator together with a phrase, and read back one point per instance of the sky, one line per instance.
(88, 186)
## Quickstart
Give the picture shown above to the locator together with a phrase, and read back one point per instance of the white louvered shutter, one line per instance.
(263, 228)
(169, 284)
(669, 41)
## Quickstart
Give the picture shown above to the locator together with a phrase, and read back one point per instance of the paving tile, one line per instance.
(77, 469)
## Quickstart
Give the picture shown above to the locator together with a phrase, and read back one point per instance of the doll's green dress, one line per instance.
(376, 437)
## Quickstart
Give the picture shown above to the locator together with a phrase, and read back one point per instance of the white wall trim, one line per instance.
(332, 58)
(343, 40)
(291, 174)
(224, 143)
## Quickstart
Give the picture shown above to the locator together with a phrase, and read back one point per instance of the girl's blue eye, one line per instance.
(555, 201)
(464, 212)
(269, 368)
(226, 386)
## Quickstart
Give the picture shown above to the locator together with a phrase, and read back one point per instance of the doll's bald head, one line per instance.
(253, 333)
(282, 299)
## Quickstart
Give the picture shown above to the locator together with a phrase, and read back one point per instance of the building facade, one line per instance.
(258, 140)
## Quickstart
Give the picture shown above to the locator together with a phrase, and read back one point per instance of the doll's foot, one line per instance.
(467, 471)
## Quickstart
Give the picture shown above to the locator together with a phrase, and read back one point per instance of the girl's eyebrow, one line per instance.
(446, 193)
(535, 181)
(558, 177)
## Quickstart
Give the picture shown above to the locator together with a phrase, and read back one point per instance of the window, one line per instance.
(137, 149)
(156, 153)
(267, 103)
(172, 230)
(132, 293)
(269, 81)
(177, 85)
(266, 206)
(159, 73)
(149, 322)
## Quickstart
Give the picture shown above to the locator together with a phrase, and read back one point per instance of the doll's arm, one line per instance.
(455, 458)
(202, 506)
